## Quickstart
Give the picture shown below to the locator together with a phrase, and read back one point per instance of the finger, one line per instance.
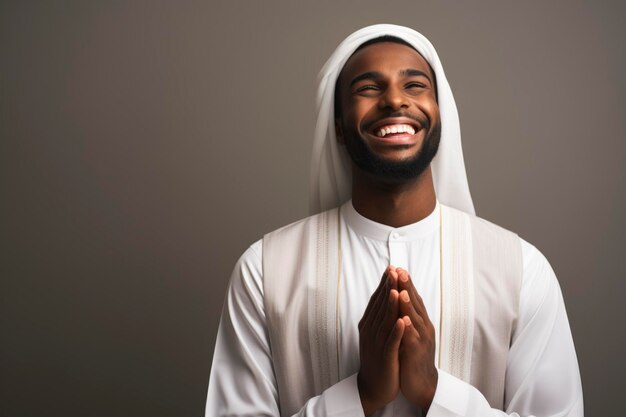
(378, 305)
(411, 334)
(390, 279)
(391, 270)
(381, 312)
(375, 296)
(422, 308)
(372, 305)
(390, 317)
(371, 310)
(405, 283)
(407, 309)
(392, 343)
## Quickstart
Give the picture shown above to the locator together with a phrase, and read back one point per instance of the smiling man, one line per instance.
(395, 299)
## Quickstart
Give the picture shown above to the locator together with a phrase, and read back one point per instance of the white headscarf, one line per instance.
(331, 176)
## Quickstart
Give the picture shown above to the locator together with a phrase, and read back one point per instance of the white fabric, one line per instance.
(330, 183)
(542, 371)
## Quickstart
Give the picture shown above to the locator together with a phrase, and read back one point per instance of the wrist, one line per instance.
(430, 391)
(368, 408)
(368, 404)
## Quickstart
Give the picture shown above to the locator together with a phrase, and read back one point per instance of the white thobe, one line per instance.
(542, 376)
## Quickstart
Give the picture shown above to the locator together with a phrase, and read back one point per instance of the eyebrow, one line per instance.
(373, 75)
(415, 73)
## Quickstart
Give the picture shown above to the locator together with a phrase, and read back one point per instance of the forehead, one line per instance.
(386, 58)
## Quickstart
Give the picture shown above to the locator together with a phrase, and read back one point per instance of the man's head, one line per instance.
(386, 111)
(331, 165)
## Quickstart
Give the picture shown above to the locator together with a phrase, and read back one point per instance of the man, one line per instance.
(467, 319)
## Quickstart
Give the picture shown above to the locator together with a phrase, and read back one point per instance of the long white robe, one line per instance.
(542, 377)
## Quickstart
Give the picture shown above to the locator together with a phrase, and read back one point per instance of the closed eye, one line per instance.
(367, 87)
(415, 84)
(367, 90)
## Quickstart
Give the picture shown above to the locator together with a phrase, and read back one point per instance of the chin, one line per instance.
(399, 155)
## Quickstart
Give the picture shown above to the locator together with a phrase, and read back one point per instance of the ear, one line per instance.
(339, 132)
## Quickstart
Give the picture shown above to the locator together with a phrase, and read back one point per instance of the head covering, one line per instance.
(331, 175)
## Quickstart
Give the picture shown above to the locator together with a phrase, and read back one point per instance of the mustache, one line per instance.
(420, 119)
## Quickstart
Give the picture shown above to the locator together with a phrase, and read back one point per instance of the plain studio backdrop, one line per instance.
(145, 145)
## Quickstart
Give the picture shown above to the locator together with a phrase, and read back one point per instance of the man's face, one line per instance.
(389, 119)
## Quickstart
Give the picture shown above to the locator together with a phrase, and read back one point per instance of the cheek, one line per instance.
(359, 111)
(430, 107)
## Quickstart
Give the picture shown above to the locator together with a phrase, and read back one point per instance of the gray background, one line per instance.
(144, 146)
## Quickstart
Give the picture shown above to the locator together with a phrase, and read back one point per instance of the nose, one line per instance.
(394, 98)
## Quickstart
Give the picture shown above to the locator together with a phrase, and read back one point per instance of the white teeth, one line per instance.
(386, 130)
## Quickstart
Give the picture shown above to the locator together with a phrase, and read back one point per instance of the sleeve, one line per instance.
(242, 380)
(542, 378)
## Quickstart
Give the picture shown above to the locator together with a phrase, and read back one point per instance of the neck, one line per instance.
(393, 204)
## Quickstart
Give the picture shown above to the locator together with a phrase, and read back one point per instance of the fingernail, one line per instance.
(407, 320)
(404, 295)
(404, 277)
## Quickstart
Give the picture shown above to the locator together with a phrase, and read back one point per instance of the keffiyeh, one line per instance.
(331, 177)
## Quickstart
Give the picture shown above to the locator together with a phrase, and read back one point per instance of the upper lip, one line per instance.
(395, 121)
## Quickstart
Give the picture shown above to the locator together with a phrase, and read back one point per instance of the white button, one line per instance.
(395, 235)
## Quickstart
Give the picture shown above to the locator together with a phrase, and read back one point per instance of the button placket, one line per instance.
(395, 249)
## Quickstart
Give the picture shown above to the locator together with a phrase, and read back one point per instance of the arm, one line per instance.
(242, 380)
(542, 371)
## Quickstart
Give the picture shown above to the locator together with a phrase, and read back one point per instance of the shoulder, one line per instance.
(535, 262)
(535, 266)
(536, 270)
(247, 275)
(248, 272)
(253, 255)
(485, 234)
(539, 282)
(303, 225)
(489, 227)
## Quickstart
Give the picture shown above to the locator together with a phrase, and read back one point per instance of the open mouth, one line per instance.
(393, 130)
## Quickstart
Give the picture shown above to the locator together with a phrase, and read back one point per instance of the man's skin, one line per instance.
(397, 339)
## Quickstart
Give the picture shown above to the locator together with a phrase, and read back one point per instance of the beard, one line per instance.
(394, 171)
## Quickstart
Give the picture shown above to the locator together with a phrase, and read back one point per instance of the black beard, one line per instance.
(392, 171)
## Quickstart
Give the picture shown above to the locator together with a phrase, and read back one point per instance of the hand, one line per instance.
(380, 334)
(418, 374)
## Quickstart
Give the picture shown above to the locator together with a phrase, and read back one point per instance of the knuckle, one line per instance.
(361, 325)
